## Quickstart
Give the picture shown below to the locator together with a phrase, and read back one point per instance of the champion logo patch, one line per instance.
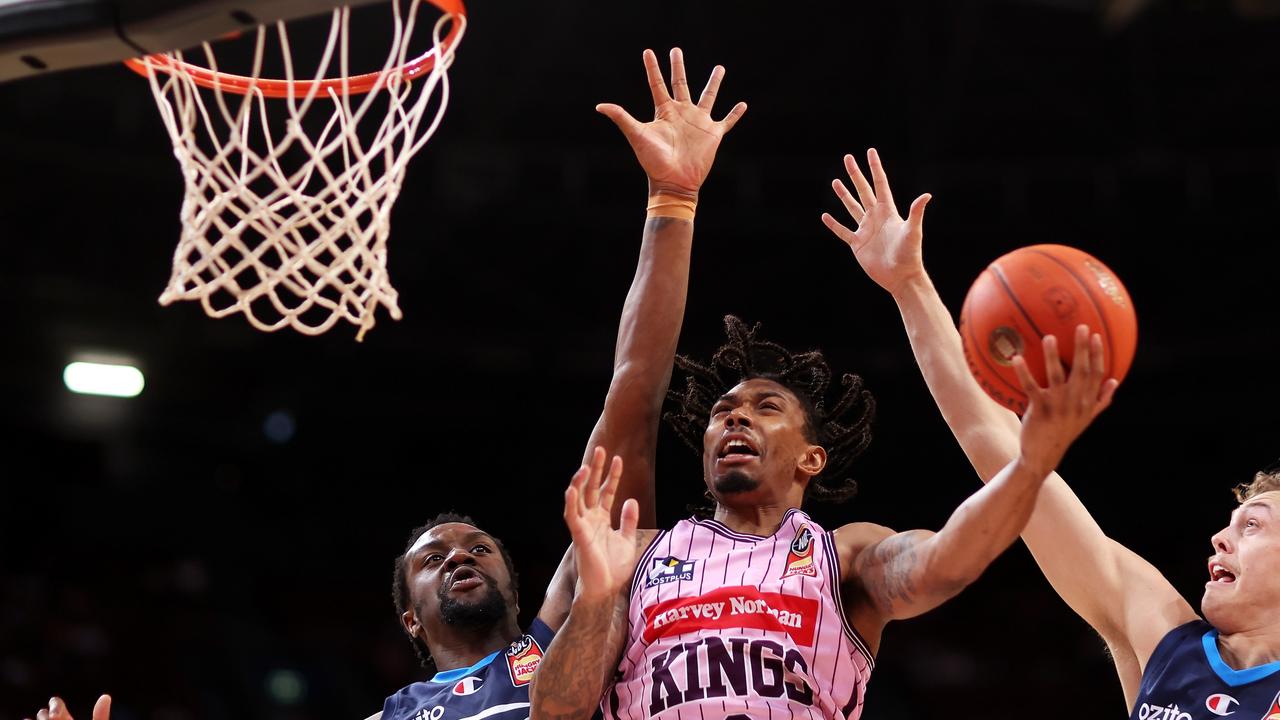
(523, 658)
(800, 556)
(468, 686)
(669, 569)
(1221, 704)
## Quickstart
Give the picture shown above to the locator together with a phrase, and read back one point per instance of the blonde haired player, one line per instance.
(1172, 664)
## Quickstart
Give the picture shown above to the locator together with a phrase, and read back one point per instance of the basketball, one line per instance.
(1036, 291)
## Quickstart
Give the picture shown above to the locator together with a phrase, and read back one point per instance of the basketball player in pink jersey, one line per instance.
(759, 611)
(1172, 665)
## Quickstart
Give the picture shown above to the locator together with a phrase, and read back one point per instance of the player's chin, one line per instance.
(1218, 605)
(736, 481)
(472, 599)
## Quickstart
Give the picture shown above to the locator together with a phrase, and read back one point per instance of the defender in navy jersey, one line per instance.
(457, 589)
(1172, 665)
(1187, 678)
(495, 687)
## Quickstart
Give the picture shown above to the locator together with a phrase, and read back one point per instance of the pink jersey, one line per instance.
(726, 625)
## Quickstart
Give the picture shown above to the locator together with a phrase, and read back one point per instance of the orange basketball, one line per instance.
(1036, 291)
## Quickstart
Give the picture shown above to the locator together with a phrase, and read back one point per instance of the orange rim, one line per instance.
(354, 85)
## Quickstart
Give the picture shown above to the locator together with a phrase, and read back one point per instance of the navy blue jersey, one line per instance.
(1186, 679)
(497, 687)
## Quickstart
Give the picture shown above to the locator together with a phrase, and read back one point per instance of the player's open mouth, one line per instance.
(1220, 575)
(464, 578)
(736, 449)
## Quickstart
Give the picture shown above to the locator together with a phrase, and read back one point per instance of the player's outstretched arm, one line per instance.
(57, 709)
(572, 675)
(1118, 593)
(676, 151)
(905, 574)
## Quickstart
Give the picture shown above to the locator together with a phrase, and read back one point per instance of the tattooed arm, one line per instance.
(894, 576)
(900, 575)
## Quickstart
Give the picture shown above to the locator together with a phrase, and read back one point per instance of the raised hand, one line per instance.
(606, 557)
(678, 147)
(1057, 414)
(57, 709)
(886, 246)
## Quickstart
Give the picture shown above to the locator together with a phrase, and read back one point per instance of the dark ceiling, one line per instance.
(167, 550)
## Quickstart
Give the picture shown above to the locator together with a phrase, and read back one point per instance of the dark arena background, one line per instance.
(221, 545)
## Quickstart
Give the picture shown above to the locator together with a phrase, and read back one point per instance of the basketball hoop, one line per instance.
(289, 183)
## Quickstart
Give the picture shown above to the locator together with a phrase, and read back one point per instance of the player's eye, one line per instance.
(1251, 523)
(480, 549)
(769, 406)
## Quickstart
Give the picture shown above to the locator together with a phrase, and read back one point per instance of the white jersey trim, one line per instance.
(722, 529)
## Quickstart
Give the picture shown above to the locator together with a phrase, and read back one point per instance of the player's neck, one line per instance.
(464, 647)
(1250, 648)
(763, 520)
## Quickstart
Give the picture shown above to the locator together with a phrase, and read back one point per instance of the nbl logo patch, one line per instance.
(523, 657)
(800, 556)
(468, 686)
(669, 569)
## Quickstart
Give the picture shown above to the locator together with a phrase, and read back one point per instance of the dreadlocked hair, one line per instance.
(843, 430)
(400, 579)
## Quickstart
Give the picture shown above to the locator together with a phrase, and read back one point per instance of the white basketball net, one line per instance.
(290, 227)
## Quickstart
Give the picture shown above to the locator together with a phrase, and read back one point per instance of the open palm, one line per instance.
(679, 146)
(606, 557)
(886, 246)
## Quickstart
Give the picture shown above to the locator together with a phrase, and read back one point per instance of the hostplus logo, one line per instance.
(1167, 712)
(669, 569)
